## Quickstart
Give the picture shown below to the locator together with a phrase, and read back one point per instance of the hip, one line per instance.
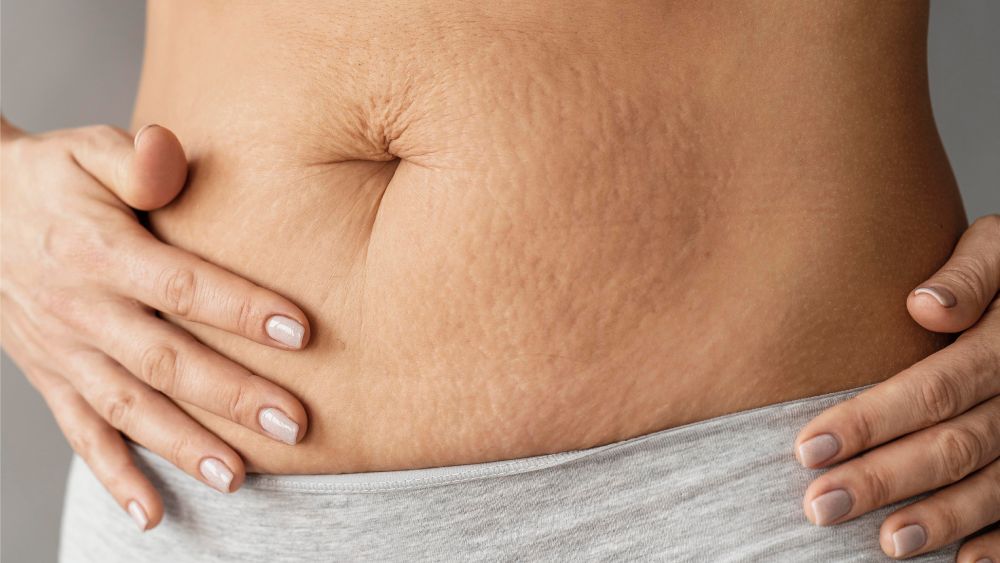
(723, 489)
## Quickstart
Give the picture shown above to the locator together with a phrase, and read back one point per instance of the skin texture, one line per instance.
(813, 120)
(933, 427)
(531, 230)
(82, 281)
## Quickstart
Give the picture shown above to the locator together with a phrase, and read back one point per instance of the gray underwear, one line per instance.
(723, 489)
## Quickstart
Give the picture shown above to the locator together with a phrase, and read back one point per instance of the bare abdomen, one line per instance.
(531, 234)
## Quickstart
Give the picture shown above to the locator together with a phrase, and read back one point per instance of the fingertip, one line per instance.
(283, 423)
(936, 308)
(138, 134)
(885, 540)
(238, 479)
(807, 510)
(158, 170)
(288, 330)
(145, 508)
(307, 332)
(944, 296)
(235, 463)
(301, 418)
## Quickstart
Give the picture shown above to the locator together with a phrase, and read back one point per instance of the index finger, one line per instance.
(176, 282)
(934, 389)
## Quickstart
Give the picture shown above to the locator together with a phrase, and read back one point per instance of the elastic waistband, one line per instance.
(380, 481)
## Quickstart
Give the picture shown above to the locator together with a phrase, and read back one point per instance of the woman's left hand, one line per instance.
(934, 425)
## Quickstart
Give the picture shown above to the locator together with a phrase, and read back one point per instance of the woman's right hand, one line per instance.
(81, 283)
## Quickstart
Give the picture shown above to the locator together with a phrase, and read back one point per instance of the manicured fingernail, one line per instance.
(138, 515)
(277, 424)
(138, 134)
(216, 473)
(943, 296)
(908, 539)
(818, 449)
(285, 330)
(984, 560)
(830, 506)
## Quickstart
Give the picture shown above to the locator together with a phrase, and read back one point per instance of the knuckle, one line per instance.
(81, 246)
(239, 403)
(101, 136)
(158, 368)
(61, 303)
(980, 354)
(987, 354)
(179, 449)
(971, 273)
(940, 395)
(177, 291)
(992, 494)
(248, 317)
(959, 452)
(862, 425)
(876, 486)
(948, 523)
(82, 443)
(117, 409)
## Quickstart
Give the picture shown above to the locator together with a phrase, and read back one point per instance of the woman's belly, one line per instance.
(536, 229)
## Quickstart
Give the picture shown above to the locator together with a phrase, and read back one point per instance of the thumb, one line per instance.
(146, 172)
(954, 298)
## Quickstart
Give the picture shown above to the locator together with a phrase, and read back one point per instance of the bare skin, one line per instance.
(581, 243)
(526, 231)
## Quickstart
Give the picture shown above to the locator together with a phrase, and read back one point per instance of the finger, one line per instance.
(103, 450)
(175, 282)
(955, 297)
(945, 453)
(154, 421)
(170, 360)
(146, 172)
(936, 388)
(944, 517)
(983, 548)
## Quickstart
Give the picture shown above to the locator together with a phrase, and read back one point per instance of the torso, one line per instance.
(548, 226)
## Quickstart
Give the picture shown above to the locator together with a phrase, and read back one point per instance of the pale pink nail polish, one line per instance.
(278, 425)
(908, 539)
(216, 473)
(818, 449)
(830, 506)
(943, 296)
(138, 134)
(138, 515)
(285, 330)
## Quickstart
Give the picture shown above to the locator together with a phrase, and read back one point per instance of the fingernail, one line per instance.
(984, 560)
(138, 134)
(943, 296)
(830, 506)
(138, 515)
(216, 473)
(277, 424)
(818, 449)
(908, 539)
(285, 330)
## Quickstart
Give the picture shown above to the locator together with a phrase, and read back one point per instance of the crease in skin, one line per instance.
(371, 231)
(512, 242)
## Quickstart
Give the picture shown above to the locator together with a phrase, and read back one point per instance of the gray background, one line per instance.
(69, 63)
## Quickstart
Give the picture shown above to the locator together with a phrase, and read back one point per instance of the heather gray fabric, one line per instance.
(723, 489)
